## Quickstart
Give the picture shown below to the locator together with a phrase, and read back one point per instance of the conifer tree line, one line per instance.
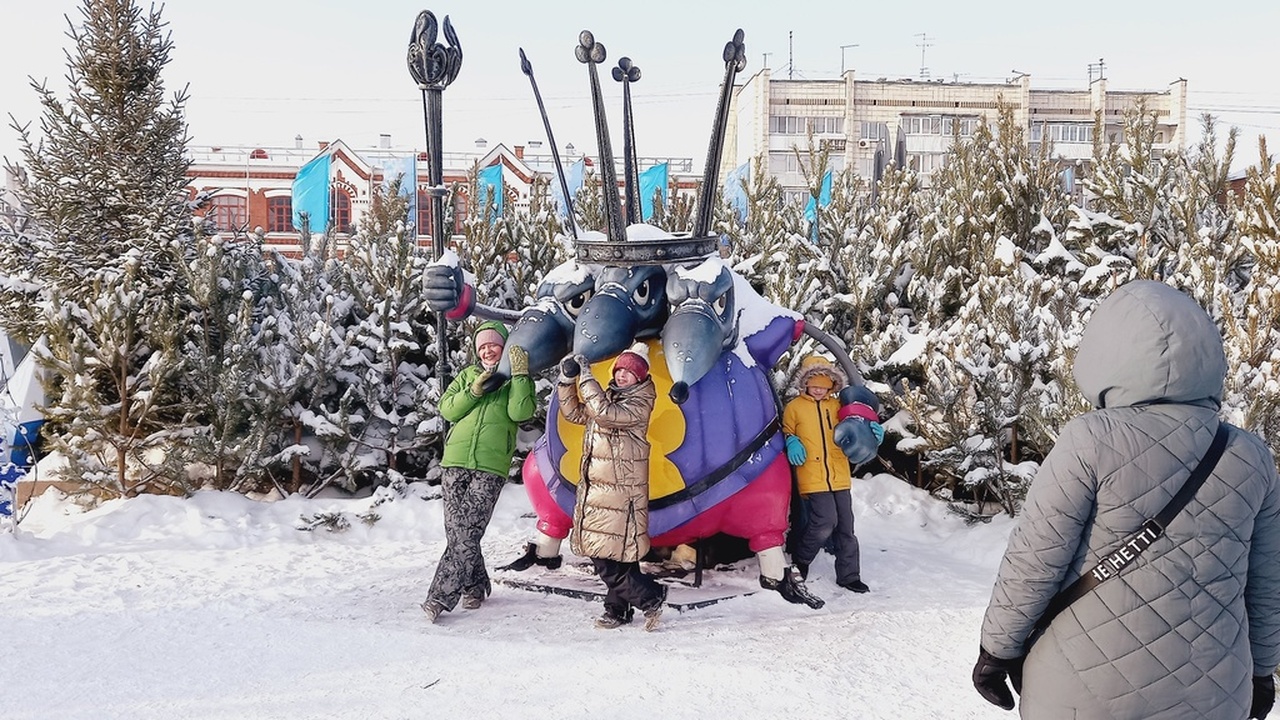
(179, 359)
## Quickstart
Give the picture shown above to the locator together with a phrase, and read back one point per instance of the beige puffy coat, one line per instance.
(611, 509)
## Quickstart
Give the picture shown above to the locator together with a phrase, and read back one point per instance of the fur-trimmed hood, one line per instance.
(817, 365)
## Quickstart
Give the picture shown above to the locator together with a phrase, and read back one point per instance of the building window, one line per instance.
(280, 214)
(459, 211)
(341, 211)
(1062, 132)
(424, 213)
(874, 131)
(820, 125)
(780, 163)
(229, 213)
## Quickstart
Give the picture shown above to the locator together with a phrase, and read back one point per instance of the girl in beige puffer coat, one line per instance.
(611, 508)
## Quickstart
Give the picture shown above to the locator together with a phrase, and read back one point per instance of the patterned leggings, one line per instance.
(469, 499)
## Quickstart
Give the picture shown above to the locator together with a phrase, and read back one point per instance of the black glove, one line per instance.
(442, 287)
(989, 675)
(569, 367)
(1264, 696)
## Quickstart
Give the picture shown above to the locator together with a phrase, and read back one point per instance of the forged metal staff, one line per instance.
(735, 59)
(626, 73)
(433, 66)
(526, 67)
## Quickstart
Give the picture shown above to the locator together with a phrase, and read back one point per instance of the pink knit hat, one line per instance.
(635, 359)
(489, 335)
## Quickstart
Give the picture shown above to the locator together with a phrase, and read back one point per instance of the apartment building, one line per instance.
(868, 123)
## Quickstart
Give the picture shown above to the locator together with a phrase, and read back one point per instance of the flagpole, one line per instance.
(433, 66)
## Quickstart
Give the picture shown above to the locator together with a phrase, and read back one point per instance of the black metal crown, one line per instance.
(615, 248)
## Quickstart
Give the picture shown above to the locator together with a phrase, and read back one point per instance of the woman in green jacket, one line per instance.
(477, 459)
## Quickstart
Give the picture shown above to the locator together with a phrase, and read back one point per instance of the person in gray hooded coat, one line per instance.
(1191, 628)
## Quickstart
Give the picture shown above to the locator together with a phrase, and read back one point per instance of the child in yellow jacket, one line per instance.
(822, 469)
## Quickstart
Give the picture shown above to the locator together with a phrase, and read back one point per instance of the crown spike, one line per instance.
(626, 73)
(735, 59)
(592, 53)
(526, 67)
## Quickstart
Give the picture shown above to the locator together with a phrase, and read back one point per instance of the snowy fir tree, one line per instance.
(588, 205)
(487, 248)
(20, 289)
(385, 363)
(173, 349)
(300, 347)
(676, 215)
(539, 243)
(1253, 326)
(226, 280)
(112, 229)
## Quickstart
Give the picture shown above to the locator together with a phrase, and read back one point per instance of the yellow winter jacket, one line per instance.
(825, 467)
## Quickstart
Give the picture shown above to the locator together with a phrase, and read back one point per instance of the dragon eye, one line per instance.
(720, 304)
(641, 294)
(573, 305)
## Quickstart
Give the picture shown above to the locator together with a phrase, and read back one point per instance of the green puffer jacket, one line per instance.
(482, 435)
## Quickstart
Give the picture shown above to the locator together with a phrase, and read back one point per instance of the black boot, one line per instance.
(525, 561)
(792, 589)
(530, 558)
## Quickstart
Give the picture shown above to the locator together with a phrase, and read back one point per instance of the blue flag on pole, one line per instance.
(490, 180)
(735, 192)
(406, 168)
(824, 198)
(652, 181)
(573, 178)
(311, 194)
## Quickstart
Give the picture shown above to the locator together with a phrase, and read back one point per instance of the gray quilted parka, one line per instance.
(1180, 631)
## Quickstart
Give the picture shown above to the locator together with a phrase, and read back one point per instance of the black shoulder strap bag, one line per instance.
(1151, 530)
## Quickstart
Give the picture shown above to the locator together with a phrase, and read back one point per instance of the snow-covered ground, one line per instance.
(220, 607)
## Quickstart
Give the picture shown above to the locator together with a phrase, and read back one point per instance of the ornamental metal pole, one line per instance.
(433, 66)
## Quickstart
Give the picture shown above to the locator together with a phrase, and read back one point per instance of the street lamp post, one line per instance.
(842, 49)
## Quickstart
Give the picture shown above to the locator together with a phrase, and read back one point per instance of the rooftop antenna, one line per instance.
(791, 56)
(924, 43)
(626, 73)
(842, 49)
(1099, 66)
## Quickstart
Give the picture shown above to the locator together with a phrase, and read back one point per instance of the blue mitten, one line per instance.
(796, 454)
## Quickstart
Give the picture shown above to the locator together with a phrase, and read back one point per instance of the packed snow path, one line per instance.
(219, 607)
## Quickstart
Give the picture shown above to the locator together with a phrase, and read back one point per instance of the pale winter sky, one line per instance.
(261, 72)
